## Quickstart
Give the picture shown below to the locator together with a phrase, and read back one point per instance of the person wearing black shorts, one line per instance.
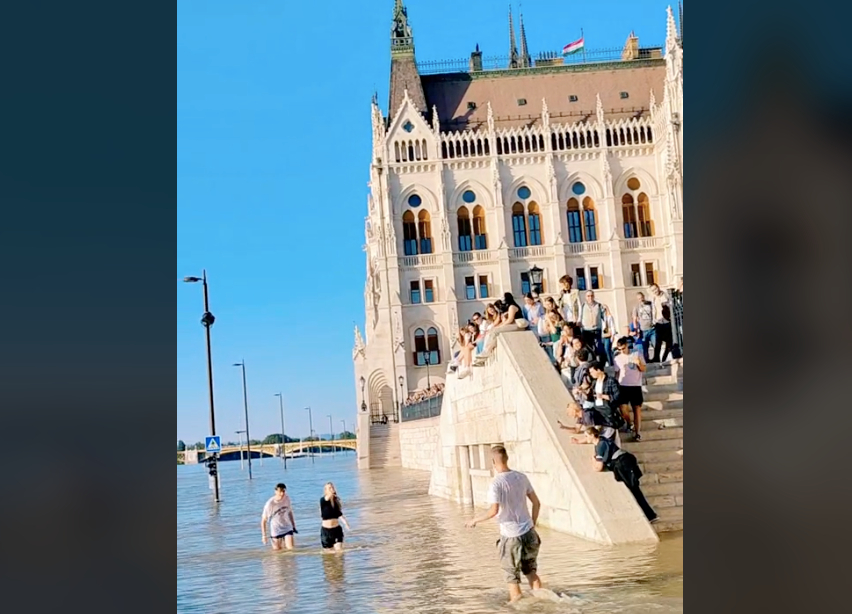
(629, 370)
(331, 511)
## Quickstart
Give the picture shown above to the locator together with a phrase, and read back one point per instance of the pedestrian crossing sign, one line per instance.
(213, 445)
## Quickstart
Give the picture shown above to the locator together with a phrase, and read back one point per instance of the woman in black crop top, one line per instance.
(331, 511)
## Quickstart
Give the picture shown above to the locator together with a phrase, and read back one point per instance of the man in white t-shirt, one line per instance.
(278, 513)
(519, 542)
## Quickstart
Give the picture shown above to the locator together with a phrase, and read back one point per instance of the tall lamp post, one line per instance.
(535, 280)
(283, 436)
(401, 381)
(428, 357)
(311, 425)
(207, 321)
(343, 422)
(242, 365)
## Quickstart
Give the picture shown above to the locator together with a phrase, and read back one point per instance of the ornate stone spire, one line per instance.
(599, 111)
(404, 73)
(514, 61)
(525, 59)
(671, 30)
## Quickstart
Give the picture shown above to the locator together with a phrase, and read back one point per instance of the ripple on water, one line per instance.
(407, 552)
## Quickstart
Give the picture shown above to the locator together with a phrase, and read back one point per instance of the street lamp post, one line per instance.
(242, 365)
(240, 433)
(311, 425)
(343, 422)
(283, 436)
(428, 357)
(363, 398)
(535, 280)
(331, 431)
(401, 381)
(207, 321)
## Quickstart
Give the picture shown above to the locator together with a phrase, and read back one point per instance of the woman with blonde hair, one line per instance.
(331, 511)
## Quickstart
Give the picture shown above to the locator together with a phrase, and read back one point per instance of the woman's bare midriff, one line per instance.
(330, 524)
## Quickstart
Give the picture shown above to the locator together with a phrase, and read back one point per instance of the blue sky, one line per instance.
(273, 145)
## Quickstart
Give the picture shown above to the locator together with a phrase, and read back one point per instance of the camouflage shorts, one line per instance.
(519, 555)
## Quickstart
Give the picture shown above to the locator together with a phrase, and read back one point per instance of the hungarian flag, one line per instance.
(574, 47)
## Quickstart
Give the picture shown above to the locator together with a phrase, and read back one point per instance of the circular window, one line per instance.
(578, 188)
(524, 192)
(414, 200)
(469, 197)
(633, 183)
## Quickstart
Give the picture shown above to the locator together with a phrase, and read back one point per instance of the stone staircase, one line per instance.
(384, 446)
(660, 453)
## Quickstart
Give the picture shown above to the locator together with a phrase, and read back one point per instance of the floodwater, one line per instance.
(406, 552)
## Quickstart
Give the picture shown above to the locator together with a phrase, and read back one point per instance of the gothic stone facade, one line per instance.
(478, 176)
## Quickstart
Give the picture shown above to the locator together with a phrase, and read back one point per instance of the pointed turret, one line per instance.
(680, 21)
(525, 59)
(671, 30)
(404, 74)
(514, 60)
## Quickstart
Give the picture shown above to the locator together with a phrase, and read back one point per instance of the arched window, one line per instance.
(535, 224)
(519, 225)
(590, 219)
(575, 226)
(628, 213)
(409, 234)
(637, 217)
(426, 347)
(419, 347)
(432, 346)
(424, 231)
(646, 226)
(480, 239)
(465, 230)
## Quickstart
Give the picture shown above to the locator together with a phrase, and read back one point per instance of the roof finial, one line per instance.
(599, 109)
(680, 20)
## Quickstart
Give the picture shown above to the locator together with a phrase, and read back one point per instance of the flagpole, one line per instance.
(583, 38)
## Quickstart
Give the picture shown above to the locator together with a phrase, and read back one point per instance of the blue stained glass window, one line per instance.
(578, 189)
(524, 192)
(414, 200)
(519, 230)
(469, 197)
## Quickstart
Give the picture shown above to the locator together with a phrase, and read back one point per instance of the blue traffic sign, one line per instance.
(213, 445)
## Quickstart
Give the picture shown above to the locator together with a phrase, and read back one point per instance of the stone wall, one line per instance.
(516, 400)
(418, 441)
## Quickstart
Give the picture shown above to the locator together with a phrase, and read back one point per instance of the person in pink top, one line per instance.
(629, 368)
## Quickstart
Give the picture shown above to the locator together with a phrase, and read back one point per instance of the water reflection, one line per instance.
(406, 552)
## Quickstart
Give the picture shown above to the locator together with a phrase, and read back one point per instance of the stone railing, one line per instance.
(421, 260)
(480, 255)
(587, 247)
(428, 408)
(641, 243)
(535, 251)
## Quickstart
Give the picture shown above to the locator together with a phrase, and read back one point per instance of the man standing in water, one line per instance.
(278, 512)
(519, 542)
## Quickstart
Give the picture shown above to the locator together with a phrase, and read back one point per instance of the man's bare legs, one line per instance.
(534, 580)
(515, 589)
(514, 592)
(287, 542)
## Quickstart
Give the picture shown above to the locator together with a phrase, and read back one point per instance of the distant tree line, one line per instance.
(270, 440)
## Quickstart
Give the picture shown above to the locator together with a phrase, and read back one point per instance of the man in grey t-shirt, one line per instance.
(278, 514)
(519, 542)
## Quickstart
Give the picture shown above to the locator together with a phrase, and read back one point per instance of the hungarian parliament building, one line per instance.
(485, 171)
